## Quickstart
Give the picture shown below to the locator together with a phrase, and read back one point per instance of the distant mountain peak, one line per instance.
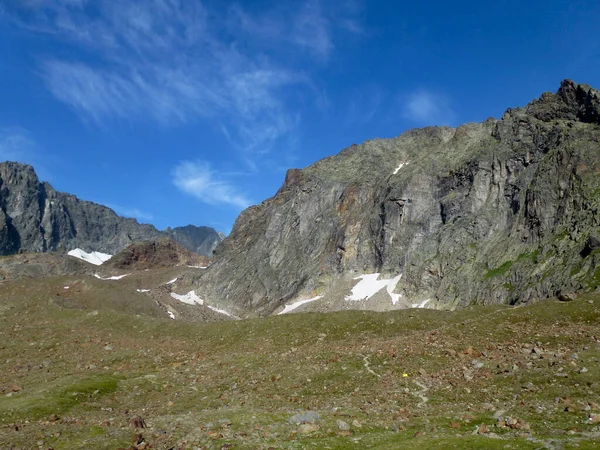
(34, 217)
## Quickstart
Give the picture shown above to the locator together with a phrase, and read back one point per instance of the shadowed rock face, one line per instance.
(493, 212)
(201, 240)
(36, 218)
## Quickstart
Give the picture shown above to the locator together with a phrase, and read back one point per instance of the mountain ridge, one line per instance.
(37, 218)
(490, 212)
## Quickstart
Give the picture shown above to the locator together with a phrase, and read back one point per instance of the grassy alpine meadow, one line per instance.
(487, 377)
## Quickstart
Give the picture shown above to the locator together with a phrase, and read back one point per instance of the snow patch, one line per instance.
(95, 258)
(171, 315)
(390, 289)
(421, 305)
(197, 267)
(172, 281)
(293, 306)
(369, 285)
(67, 287)
(220, 311)
(400, 167)
(190, 298)
(142, 290)
(117, 277)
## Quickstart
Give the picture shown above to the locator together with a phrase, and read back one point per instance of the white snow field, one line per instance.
(369, 285)
(220, 311)
(95, 258)
(293, 306)
(116, 277)
(190, 298)
(422, 304)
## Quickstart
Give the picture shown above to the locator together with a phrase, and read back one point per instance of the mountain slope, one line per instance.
(493, 212)
(35, 217)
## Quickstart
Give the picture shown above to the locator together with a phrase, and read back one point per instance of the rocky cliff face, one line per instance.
(495, 212)
(201, 240)
(36, 218)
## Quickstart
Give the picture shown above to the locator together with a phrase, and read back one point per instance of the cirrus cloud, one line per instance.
(198, 179)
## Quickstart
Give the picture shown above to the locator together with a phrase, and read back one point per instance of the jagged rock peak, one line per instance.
(571, 102)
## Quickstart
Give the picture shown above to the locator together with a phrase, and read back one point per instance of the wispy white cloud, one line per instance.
(198, 179)
(175, 61)
(427, 108)
(130, 212)
(309, 26)
(16, 145)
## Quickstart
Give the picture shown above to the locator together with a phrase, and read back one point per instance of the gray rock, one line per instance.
(477, 364)
(495, 212)
(567, 297)
(343, 426)
(305, 417)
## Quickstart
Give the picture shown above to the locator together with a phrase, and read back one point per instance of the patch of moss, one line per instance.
(498, 271)
(56, 399)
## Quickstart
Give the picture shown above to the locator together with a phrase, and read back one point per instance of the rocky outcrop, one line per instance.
(155, 254)
(34, 217)
(40, 265)
(494, 212)
(201, 240)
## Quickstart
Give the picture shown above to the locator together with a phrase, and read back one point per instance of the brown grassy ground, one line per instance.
(76, 377)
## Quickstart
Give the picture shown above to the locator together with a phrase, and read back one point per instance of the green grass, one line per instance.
(95, 372)
(498, 271)
(57, 397)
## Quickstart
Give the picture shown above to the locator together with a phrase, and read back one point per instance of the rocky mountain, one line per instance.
(201, 240)
(34, 217)
(163, 252)
(503, 211)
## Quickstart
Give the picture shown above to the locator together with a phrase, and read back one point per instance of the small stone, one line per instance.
(529, 386)
(307, 428)
(307, 417)
(356, 424)
(343, 426)
(477, 364)
(583, 370)
(108, 348)
(566, 297)
(482, 429)
(422, 372)
(137, 422)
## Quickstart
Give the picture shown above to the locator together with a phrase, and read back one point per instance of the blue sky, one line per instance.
(181, 111)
